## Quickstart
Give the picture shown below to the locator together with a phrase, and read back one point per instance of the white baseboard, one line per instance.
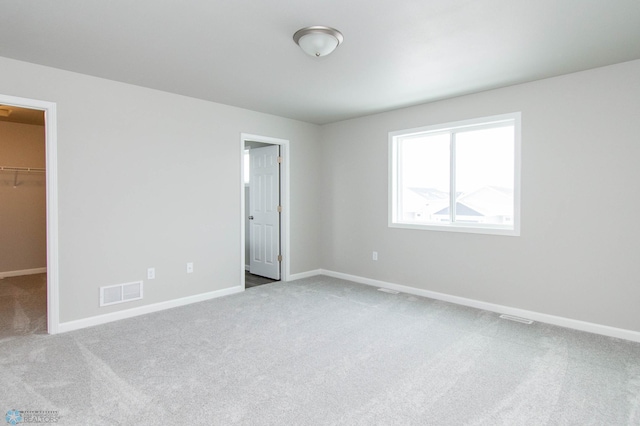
(246, 267)
(604, 330)
(146, 309)
(23, 272)
(301, 275)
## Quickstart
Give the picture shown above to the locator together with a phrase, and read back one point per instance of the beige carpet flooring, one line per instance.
(23, 305)
(323, 351)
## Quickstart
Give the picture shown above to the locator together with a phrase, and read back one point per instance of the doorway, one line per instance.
(28, 188)
(265, 207)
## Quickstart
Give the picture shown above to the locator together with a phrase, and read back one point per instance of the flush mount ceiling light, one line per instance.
(318, 41)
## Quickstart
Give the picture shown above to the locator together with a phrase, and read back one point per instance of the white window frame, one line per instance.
(476, 228)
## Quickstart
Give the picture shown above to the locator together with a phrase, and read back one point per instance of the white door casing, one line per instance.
(264, 223)
(51, 150)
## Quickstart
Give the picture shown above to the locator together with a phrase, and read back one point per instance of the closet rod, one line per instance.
(22, 169)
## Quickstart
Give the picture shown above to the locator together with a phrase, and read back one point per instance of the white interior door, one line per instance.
(264, 218)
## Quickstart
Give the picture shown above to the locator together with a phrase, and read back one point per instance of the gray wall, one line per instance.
(23, 226)
(148, 178)
(578, 253)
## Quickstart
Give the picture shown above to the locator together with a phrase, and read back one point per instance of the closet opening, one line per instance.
(23, 222)
(29, 299)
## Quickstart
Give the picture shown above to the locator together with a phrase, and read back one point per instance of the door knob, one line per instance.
(250, 217)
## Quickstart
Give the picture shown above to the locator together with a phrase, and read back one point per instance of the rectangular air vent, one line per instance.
(119, 293)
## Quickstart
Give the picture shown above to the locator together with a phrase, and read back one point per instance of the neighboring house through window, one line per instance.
(462, 176)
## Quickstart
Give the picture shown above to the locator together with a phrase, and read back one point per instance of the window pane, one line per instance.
(423, 179)
(484, 176)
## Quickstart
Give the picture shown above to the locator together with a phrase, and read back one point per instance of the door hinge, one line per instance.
(279, 258)
(279, 209)
(279, 160)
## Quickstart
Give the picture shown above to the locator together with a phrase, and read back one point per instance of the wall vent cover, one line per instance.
(119, 293)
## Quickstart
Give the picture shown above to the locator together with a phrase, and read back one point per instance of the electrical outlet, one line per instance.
(151, 273)
(375, 255)
(190, 268)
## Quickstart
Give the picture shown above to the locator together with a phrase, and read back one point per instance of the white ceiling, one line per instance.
(395, 53)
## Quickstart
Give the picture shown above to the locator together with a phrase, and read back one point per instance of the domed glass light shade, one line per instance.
(318, 41)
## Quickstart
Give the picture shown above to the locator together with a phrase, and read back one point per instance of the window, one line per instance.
(462, 176)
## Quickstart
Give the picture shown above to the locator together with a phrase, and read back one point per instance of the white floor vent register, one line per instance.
(516, 319)
(388, 290)
(119, 293)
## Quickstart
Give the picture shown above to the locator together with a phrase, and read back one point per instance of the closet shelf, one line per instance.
(22, 169)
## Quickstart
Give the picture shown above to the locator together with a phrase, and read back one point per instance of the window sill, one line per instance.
(487, 229)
